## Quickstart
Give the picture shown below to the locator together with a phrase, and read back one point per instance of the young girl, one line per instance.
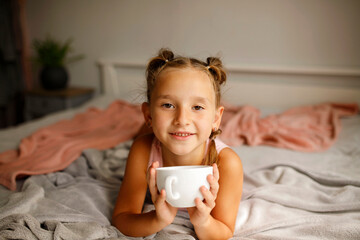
(184, 112)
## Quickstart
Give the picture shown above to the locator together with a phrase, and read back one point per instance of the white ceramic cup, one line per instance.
(182, 183)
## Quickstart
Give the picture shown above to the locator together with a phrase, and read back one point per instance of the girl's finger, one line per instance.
(214, 185)
(161, 197)
(155, 164)
(208, 196)
(216, 172)
(152, 172)
(152, 183)
(200, 205)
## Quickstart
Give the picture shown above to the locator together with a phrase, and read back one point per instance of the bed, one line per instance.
(287, 193)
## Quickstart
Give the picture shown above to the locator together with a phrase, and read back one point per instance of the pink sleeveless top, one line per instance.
(155, 152)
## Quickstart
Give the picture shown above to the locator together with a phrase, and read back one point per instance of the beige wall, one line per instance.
(310, 33)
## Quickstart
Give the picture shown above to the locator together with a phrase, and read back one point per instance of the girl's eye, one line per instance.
(197, 108)
(167, 105)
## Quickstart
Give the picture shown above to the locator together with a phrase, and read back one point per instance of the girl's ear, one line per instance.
(145, 108)
(218, 115)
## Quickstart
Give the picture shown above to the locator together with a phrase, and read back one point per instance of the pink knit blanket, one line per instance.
(54, 147)
(307, 128)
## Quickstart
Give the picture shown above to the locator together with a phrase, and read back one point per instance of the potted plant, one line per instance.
(52, 55)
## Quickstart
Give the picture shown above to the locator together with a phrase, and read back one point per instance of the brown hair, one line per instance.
(212, 67)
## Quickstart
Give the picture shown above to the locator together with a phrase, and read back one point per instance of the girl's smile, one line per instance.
(182, 135)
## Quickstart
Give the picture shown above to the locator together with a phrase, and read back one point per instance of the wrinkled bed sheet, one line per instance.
(286, 194)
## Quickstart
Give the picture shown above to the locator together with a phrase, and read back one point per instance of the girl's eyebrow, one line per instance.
(201, 99)
(164, 96)
(195, 98)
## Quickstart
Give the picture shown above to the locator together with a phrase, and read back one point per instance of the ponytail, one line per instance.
(211, 155)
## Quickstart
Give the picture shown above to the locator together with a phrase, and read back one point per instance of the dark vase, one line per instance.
(54, 77)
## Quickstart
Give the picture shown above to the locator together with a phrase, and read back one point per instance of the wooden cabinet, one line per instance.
(40, 102)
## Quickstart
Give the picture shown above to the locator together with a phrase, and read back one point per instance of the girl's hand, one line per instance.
(201, 212)
(164, 211)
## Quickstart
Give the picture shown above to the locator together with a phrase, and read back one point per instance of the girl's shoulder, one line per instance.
(141, 147)
(229, 160)
(144, 141)
(220, 145)
(139, 154)
(150, 149)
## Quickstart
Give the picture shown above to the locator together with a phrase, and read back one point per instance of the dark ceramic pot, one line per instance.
(54, 77)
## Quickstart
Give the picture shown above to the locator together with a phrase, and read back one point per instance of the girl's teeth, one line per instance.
(182, 134)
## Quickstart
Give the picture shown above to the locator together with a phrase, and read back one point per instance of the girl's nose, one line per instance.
(182, 117)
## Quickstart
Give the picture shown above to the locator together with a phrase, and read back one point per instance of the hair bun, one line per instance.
(166, 54)
(216, 68)
(214, 61)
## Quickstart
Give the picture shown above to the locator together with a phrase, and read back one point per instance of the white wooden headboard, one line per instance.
(260, 86)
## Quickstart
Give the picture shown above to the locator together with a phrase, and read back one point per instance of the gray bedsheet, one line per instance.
(75, 203)
(287, 195)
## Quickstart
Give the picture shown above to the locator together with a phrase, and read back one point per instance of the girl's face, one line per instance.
(183, 110)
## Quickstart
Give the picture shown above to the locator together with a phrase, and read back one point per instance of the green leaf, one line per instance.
(50, 52)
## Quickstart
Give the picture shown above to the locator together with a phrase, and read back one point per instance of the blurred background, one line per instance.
(290, 34)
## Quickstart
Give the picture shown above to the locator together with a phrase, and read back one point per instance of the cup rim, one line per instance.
(188, 167)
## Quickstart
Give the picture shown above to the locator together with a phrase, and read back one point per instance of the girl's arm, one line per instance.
(127, 215)
(216, 220)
